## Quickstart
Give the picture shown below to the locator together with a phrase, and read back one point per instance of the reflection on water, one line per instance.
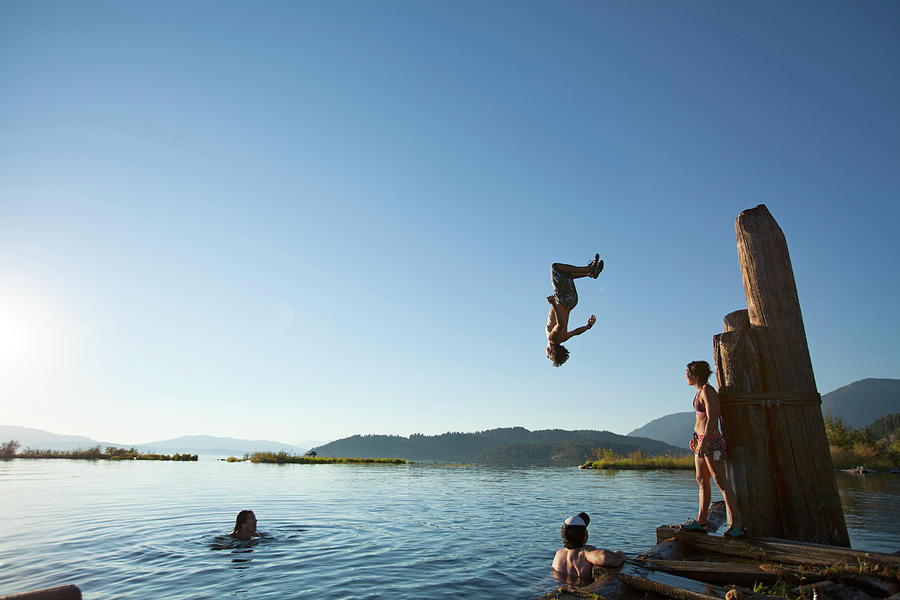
(871, 504)
(142, 529)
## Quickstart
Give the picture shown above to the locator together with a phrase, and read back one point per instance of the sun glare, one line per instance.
(27, 332)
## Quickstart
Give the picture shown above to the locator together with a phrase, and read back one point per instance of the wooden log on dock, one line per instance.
(720, 573)
(788, 552)
(772, 420)
(647, 579)
(673, 586)
(63, 592)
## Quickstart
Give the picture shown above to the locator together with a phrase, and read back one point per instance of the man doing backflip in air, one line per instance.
(562, 302)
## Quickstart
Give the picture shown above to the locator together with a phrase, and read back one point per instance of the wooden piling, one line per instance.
(780, 463)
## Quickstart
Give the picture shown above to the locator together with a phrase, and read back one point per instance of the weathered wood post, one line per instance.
(744, 424)
(772, 419)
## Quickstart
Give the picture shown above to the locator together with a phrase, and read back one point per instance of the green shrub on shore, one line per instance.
(9, 449)
(852, 447)
(95, 453)
(284, 458)
(608, 459)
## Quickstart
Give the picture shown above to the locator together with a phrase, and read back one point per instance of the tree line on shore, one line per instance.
(506, 445)
(876, 446)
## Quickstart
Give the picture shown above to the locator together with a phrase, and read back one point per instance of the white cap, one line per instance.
(576, 520)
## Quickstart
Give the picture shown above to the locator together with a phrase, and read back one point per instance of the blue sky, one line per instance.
(307, 220)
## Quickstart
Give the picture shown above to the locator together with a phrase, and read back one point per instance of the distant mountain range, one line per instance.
(504, 445)
(863, 401)
(192, 444)
(675, 429)
(515, 445)
(859, 404)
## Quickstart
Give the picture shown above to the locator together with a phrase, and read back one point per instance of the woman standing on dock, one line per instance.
(708, 446)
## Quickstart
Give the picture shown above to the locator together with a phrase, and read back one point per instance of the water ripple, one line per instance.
(154, 530)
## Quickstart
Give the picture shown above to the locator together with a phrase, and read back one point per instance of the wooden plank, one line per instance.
(673, 586)
(784, 551)
(647, 579)
(721, 573)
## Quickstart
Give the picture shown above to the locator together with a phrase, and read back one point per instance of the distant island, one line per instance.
(509, 445)
(283, 458)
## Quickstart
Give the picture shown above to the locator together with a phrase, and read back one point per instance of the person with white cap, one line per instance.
(577, 559)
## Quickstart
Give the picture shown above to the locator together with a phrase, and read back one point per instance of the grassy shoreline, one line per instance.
(281, 458)
(10, 450)
(608, 459)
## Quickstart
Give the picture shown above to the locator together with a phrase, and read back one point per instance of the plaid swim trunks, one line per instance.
(563, 287)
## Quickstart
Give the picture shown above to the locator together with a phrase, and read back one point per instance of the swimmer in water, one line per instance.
(245, 526)
(577, 559)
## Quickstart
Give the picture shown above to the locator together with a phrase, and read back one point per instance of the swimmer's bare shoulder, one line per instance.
(559, 560)
(603, 558)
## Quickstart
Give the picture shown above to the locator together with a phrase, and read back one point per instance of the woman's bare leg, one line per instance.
(718, 472)
(705, 491)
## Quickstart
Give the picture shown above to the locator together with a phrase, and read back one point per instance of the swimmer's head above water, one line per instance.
(244, 526)
(574, 530)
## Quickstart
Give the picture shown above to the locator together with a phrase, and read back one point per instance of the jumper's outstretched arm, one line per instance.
(582, 329)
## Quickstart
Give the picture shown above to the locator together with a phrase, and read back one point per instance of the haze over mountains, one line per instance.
(193, 444)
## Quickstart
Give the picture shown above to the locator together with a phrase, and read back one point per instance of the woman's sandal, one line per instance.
(694, 525)
(733, 532)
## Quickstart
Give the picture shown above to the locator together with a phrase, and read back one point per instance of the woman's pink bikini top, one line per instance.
(698, 406)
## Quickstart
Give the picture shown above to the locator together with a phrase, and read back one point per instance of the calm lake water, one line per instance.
(150, 529)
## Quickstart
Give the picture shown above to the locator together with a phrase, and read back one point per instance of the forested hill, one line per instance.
(505, 445)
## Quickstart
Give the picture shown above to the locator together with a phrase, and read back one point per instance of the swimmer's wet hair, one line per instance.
(574, 530)
(240, 520)
(699, 370)
(558, 354)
